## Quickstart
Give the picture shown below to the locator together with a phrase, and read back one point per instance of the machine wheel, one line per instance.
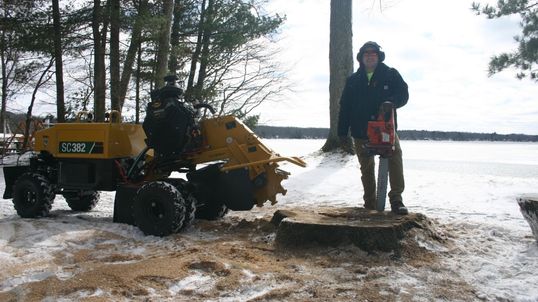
(211, 211)
(33, 195)
(190, 201)
(159, 209)
(190, 209)
(82, 202)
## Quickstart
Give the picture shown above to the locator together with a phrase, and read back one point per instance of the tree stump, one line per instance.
(528, 205)
(369, 230)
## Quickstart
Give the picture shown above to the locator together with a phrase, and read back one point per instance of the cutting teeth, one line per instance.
(283, 173)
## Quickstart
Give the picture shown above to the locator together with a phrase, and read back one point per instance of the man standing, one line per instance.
(365, 91)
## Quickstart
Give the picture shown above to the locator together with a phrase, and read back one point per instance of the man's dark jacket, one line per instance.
(360, 101)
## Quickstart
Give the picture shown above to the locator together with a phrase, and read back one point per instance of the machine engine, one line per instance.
(169, 123)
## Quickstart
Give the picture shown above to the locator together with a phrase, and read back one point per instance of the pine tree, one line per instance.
(341, 67)
(58, 59)
(525, 57)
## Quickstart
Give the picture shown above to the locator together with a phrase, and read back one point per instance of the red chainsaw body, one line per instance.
(382, 134)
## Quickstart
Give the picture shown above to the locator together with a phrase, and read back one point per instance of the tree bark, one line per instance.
(204, 56)
(42, 80)
(115, 54)
(196, 53)
(173, 64)
(137, 95)
(4, 82)
(99, 62)
(341, 67)
(60, 103)
(164, 43)
(134, 47)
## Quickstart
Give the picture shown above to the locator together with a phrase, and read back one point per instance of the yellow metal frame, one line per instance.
(293, 160)
(119, 140)
(224, 139)
(228, 139)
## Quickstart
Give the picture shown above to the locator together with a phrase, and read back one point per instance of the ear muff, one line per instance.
(380, 54)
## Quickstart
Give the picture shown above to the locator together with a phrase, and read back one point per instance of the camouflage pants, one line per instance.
(367, 164)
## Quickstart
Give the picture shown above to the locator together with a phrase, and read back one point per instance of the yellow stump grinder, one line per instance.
(224, 164)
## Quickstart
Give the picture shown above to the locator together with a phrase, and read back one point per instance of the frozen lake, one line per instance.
(443, 178)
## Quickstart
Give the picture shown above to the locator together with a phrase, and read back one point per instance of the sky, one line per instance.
(441, 48)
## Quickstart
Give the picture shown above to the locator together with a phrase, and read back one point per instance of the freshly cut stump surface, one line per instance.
(528, 205)
(369, 230)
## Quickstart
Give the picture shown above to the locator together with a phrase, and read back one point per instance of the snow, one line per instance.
(471, 185)
(15, 159)
(470, 188)
(196, 282)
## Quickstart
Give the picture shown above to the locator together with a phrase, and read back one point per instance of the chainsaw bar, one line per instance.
(382, 179)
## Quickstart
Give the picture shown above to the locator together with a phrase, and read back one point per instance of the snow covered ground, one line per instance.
(468, 188)
(470, 185)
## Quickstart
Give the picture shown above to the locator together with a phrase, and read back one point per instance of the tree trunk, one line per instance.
(28, 121)
(341, 67)
(164, 43)
(137, 96)
(173, 64)
(134, 47)
(60, 104)
(99, 62)
(115, 54)
(196, 53)
(204, 56)
(4, 82)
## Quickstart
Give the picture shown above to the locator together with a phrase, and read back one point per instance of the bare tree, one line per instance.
(341, 67)
(134, 48)
(246, 78)
(43, 79)
(16, 68)
(82, 79)
(8, 66)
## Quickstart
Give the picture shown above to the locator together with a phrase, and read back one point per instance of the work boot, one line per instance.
(397, 207)
(369, 205)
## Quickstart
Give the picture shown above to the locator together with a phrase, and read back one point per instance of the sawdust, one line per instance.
(236, 259)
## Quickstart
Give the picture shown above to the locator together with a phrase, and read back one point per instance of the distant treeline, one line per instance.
(321, 133)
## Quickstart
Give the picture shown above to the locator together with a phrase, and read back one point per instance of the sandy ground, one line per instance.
(234, 259)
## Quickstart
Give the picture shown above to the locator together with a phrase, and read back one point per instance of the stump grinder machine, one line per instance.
(167, 171)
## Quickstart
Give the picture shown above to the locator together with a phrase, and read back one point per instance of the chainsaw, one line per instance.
(381, 139)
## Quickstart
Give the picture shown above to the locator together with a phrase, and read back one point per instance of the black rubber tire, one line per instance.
(211, 211)
(83, 203)
(190, 209)
(190, 201)
(33, 195)
(159, 209)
